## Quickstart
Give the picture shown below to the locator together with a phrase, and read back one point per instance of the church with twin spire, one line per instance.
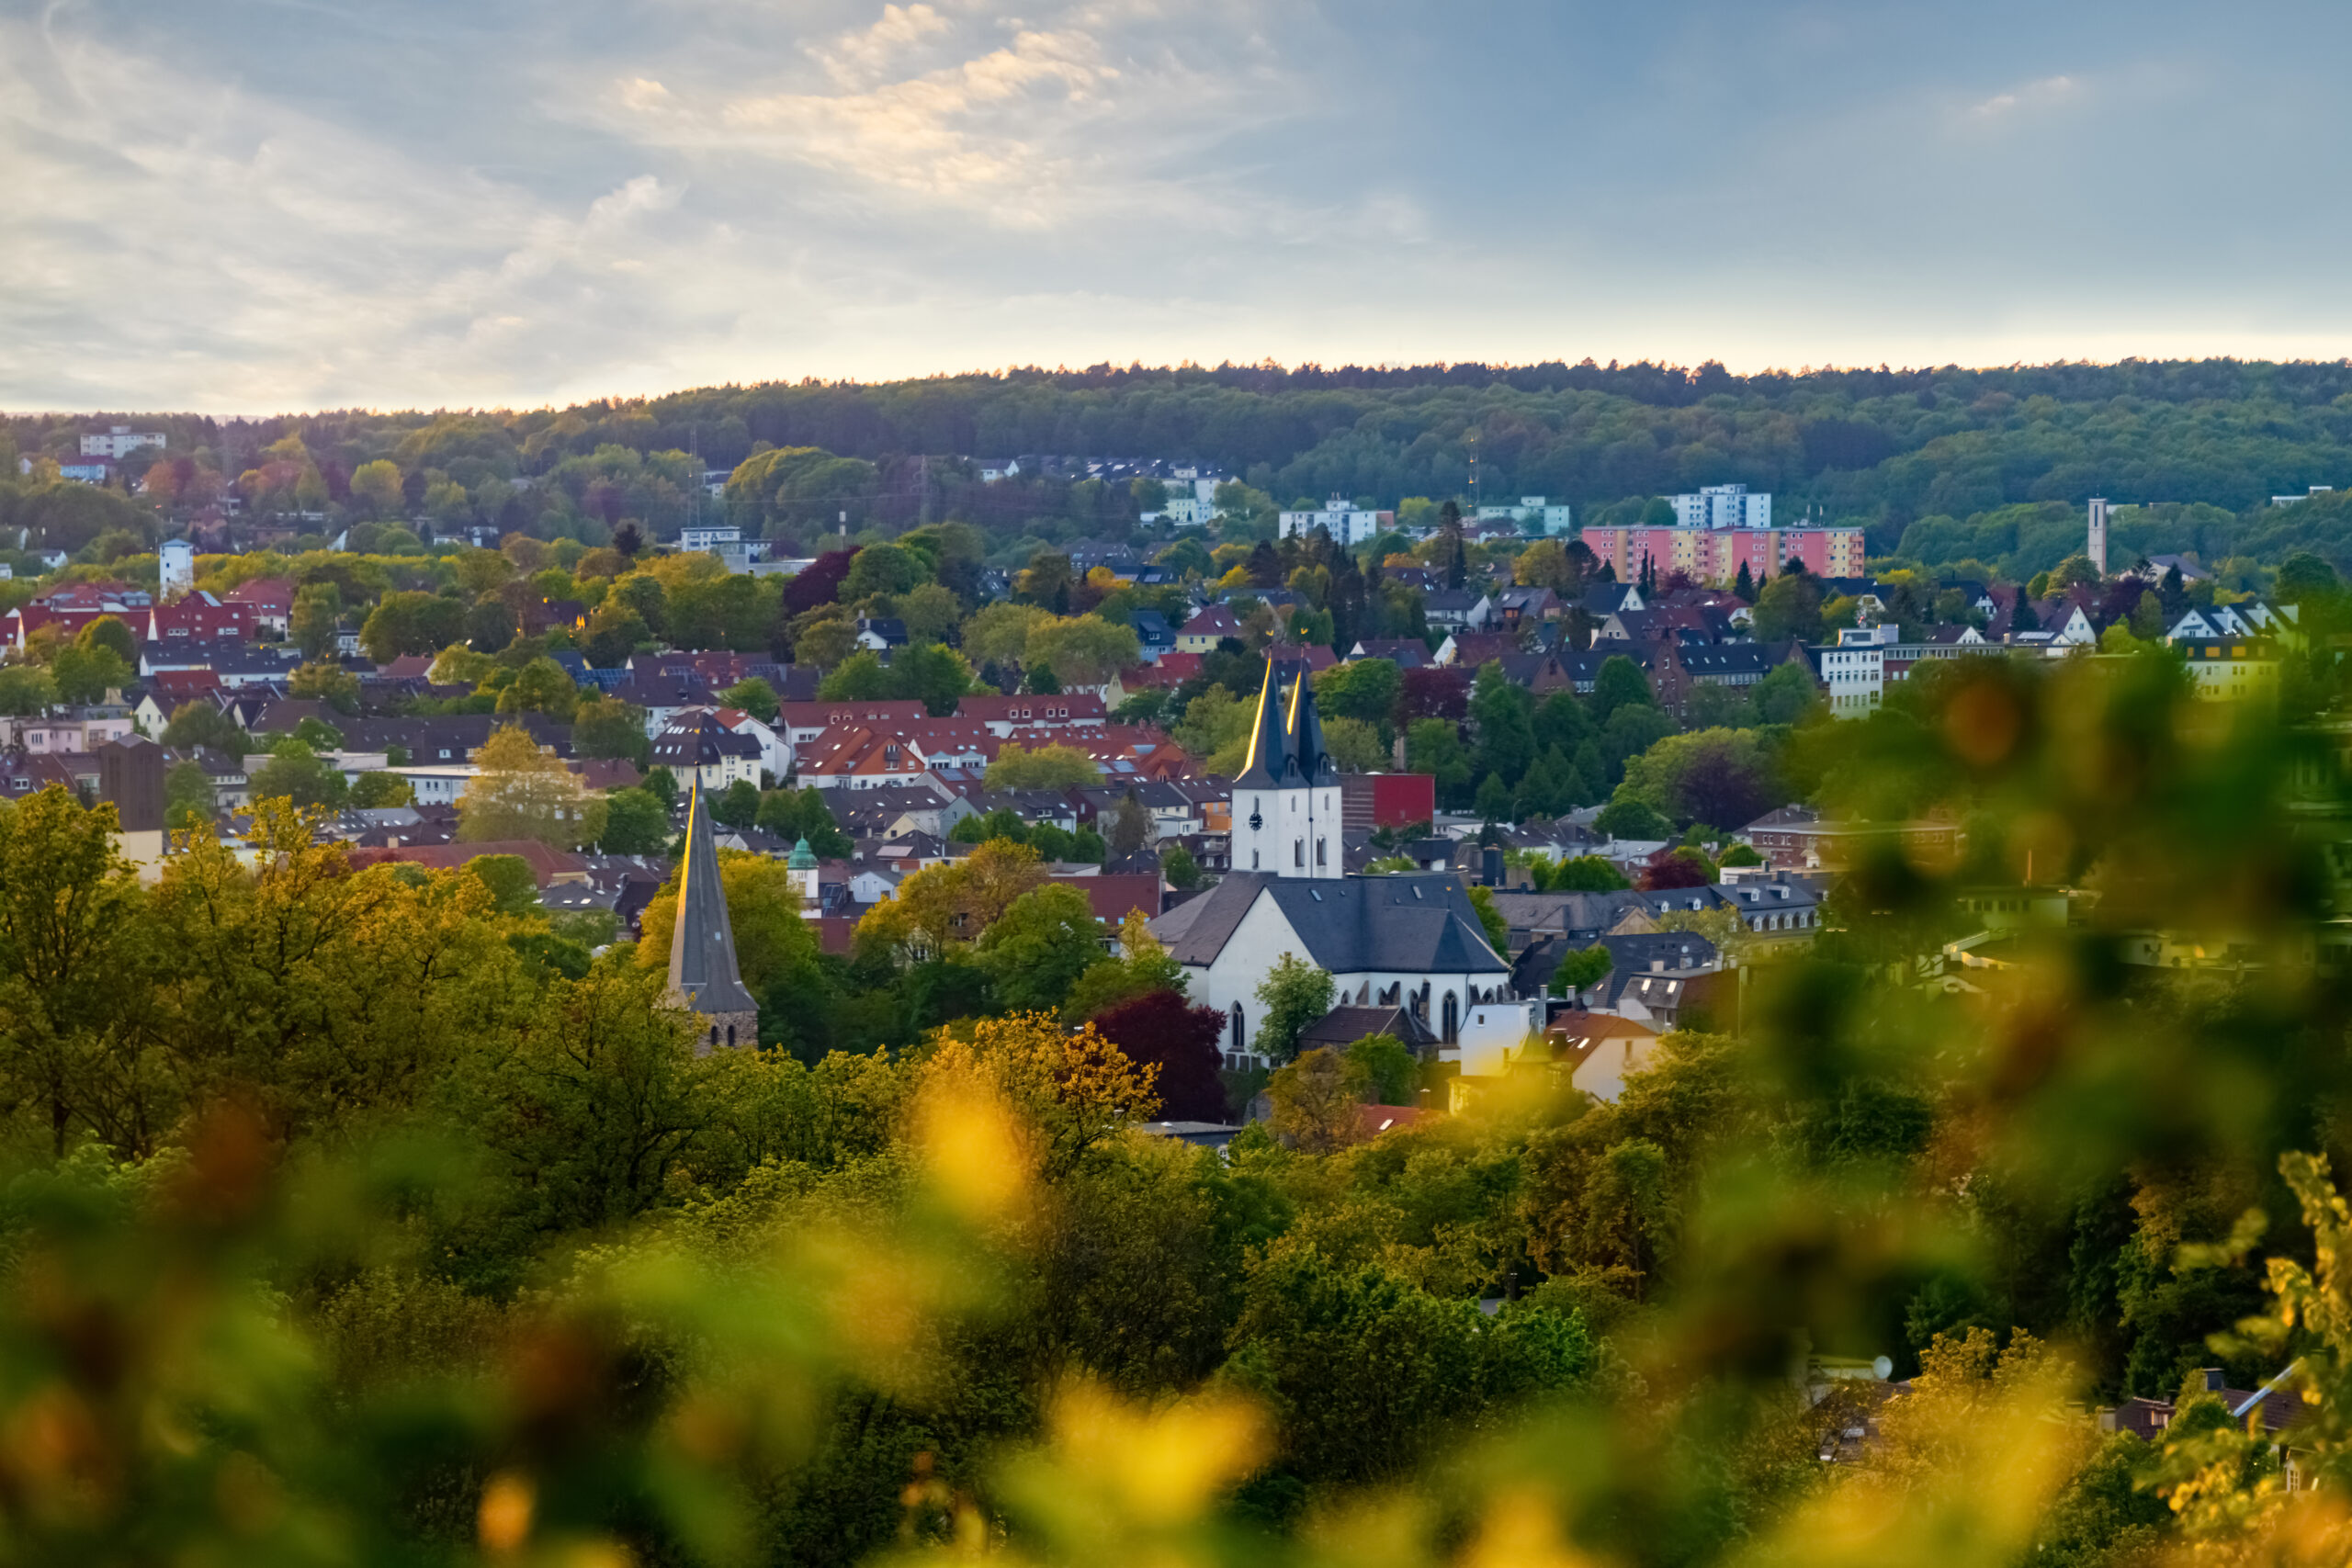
(1412, 941)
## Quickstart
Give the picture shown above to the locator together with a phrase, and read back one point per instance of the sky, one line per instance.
(267, 205)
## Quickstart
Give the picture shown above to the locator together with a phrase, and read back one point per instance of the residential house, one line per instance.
(1598, 1051)
(1209, 626)
(1457, 609)
(698, 748)
(269, 600)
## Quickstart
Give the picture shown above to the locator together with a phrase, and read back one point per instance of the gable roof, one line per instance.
(1403, 924)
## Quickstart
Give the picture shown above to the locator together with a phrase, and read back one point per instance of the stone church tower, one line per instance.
(703, 976)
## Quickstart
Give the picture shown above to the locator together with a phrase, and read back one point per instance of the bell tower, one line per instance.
(1286, 811)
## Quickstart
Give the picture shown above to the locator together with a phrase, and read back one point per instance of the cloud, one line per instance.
(855, 60)
(180, 242)
(2049, 90)
(1095, 108)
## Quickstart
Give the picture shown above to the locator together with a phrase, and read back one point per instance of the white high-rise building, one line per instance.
(1722, 506)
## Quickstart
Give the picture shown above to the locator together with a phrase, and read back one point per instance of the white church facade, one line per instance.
(1413, 940)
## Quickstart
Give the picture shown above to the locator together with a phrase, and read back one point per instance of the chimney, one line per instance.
(1658, 966)
(1491, 867)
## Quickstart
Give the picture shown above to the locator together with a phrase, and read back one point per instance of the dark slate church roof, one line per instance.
(1408, 924)
(702, 948)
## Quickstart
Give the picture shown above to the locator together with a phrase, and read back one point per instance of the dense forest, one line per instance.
(1941, 466)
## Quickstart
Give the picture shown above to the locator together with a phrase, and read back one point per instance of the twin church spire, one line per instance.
(1286, 749)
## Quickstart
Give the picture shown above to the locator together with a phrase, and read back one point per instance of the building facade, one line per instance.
(1342, 518)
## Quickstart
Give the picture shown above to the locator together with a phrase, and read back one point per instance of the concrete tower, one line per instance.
(703, 976)
(1286, 813)
(176, 569)
(2096, 546)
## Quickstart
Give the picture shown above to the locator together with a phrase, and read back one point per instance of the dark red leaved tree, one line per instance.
(1160, 1026)
(818, 584)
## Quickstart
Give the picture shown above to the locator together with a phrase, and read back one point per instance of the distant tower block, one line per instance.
(2097, 545)
(176, 567)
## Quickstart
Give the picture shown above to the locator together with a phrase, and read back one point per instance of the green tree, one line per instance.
(1037, 950)
(520, 792)
(187, 796)
(27, 689)
(1085, 651)
(1618, 683)
(881, 568)
(737, 805)
(1786, 694)
(328, 683)
(202, 723)
(376, 490)
(1580, 971)
(381, 789)
(608, 726)
(1180, 868)
(1363, 689)
(1586, 874)
(541, 686)
(1387, 1069)
(296, 773)
(1050, 766)
(1628, 817)
(636, 823)
(1491, 920)
(110, 633)
(1433, 745)
(316, 620)
(1294, 996)
(754, 697)
(86, 672)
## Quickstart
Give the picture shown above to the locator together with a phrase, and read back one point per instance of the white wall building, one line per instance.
(1722, 506)
(1411, 941)
(175, 566)
(120, 441)
(1854, 668)
(710, 540)
(1342, 518)
(1531, 508)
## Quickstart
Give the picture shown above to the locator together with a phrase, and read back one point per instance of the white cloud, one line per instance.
(2048, 91)
(187, 244)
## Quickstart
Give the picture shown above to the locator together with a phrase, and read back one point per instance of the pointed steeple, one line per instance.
(703, 974)
(1272, 763)
(1306, 735)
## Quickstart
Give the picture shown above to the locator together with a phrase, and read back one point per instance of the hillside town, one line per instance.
(1517, 792)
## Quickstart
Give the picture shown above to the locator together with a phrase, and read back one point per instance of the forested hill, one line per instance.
(1888, 448)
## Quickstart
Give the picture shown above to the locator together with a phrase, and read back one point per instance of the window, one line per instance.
(1238, 1041)
(730, 1035)
(1320, 858)
(714, 1035)
(1452, 1019)
(1253, 860)
(1298, 852)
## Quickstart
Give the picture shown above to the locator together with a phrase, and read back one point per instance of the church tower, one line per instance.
(703, 976)
(1287, 803)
